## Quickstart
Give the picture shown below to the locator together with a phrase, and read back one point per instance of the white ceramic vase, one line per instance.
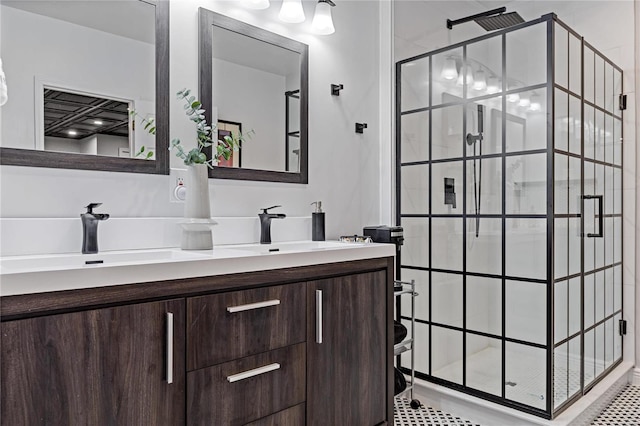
(196, 228)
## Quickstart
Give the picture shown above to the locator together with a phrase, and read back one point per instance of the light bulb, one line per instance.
(291, 11)
(256, 4)
(72, 132)
(493, 84)
(479, 81)
(535, 103)
(322, 22)
(449, 69)
(469, 77)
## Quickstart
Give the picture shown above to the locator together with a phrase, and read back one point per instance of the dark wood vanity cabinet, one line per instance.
(94, 367)
(347, 350)
(310, 345)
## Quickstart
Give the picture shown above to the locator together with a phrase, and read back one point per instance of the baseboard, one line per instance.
(635, 377)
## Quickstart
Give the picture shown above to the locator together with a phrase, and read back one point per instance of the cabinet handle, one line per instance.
(252, 373)
(169, 347)
(248, 307)
(318, 316)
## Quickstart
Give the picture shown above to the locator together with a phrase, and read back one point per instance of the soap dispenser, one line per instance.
(317, 222)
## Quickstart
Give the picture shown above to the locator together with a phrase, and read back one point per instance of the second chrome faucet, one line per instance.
(265, 223)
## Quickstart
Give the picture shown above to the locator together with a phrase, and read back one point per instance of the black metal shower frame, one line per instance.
(550, 216)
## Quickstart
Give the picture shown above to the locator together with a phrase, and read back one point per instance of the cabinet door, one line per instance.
(98, 367)
(347, 355)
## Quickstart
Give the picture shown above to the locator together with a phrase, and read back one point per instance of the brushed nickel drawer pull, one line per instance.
(254, 372)
(318, 316)
(169, 347)
(248, 307)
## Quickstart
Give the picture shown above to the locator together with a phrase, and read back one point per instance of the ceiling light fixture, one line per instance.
(256, 4)
(493, 84)
(322, 21)
(534, 104)
(97, 122)
(292, 11)
(468, 79)
(479, 81)
(72, 133)
(449, 69)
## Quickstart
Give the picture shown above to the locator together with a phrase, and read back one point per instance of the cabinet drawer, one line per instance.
(227, 326)
(248, 389)
(293, 416)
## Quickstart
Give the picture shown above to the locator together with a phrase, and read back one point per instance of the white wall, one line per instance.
(344, 167)
(254, 98)
(71, 56)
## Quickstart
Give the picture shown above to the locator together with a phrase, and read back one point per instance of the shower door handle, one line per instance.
(600, 213)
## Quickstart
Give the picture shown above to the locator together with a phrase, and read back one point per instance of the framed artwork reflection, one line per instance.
(230, 128)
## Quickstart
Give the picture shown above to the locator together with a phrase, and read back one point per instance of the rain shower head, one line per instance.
(498, 22)
(490, 20)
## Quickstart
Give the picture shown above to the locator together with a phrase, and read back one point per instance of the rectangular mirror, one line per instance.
(255, 81)
(74, 69)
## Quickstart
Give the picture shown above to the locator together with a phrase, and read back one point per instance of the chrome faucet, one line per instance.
(90, 228)
(265, 223)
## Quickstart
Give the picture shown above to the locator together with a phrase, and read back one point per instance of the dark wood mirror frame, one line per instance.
(208, 20)
(60, 160)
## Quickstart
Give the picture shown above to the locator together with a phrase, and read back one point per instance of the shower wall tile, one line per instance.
(415, 251)
(526, 187)
(447, 244)
(447, 294)
(526, 248)
(414, 189)
(484, 364)
(484, 251)
(414, 142)
(484, 305)
(526, 56)
(526, 311)
(415, 84)
(422, 288)
(490, 190)
(447, 132)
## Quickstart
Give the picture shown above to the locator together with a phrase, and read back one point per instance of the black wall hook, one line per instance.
(336, 88)
(360, 127)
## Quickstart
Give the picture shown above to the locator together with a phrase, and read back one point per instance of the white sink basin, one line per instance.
(77, 260)
(293, 247)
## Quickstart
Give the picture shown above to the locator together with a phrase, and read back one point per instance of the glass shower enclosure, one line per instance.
(509, 189)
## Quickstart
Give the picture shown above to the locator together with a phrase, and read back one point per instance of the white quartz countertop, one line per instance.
(56, 272)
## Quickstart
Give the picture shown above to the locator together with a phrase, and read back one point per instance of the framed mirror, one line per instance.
(74, 69)
(257, 81)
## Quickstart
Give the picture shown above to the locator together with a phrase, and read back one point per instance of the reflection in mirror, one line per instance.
(89, 62)
(79, 123)
(257, 81)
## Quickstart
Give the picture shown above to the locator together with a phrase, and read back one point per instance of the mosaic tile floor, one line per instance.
(624, 410)
(404, 415)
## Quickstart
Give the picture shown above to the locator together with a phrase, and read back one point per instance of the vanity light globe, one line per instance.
(468, 79)
(493, 85)
(292, 12)
(322, 22)
(256, 4)
(479, 81)
(449, 70)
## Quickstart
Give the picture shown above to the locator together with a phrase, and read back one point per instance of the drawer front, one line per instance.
(226, 326)
(248, 389)
(293, 416)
